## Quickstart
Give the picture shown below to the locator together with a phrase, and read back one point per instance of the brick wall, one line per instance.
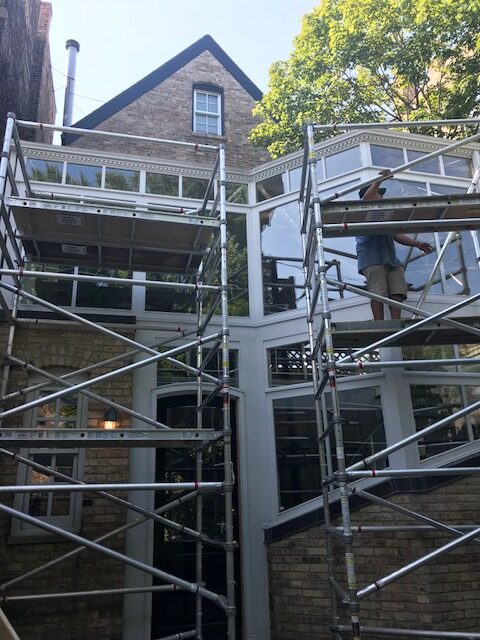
(166, 112)
(443, 595)
(27, 88)
(98, 618)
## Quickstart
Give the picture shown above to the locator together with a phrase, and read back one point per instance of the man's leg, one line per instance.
(377, 309)
(397, 287)
(376, 275)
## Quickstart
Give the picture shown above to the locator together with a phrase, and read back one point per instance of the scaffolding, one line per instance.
(321, 218)
(192, 243)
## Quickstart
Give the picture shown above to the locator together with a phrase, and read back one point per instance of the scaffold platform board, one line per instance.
(352, 335)
(460, 212)
(61, 438)
(120, 238)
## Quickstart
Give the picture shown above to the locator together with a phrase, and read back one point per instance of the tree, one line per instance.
(370, 60)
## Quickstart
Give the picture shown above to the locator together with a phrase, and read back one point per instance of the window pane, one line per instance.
(429, 352)
(122, 179)
(212, 125)
(460, 167)
(473, 395)
(431, 404)
(296, 450)
(343, 161)
(289, 364)
(237, 192)
(201, 123)
(102, 294)
(212, 103)
(388, 157)
(281, 259)
(168, 373)
(428, 166)
(194, 187)
(57, 292)
(404, 188)
(44, 170)
(470, 351)
(201, 101)
(445, 189)
(271, 187)
(295, 178)
(362, 420)
(162, 184)
(84, 175)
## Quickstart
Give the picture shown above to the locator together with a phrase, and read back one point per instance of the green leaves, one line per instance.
(368, 60)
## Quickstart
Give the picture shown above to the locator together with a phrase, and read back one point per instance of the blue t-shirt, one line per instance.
(376, 250)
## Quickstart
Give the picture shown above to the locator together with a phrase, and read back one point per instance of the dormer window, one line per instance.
(207, 110)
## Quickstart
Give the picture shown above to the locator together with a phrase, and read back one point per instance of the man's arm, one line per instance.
(373, 188)
(411, 242)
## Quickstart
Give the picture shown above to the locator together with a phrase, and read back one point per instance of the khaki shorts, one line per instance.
(385, 280)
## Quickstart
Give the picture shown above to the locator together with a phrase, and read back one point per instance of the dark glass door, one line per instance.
(174, 612)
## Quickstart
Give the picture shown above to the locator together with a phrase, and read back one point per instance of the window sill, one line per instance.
(209, 136)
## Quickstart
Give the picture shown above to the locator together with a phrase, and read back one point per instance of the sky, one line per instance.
(122, 41)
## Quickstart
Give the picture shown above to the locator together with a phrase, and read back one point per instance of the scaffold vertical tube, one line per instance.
(322, 444)
(331, 372)
(227, 431)
(199, 468)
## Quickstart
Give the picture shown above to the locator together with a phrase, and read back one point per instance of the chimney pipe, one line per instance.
(73, 48)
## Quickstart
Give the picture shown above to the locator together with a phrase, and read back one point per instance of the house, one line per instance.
(203, 98)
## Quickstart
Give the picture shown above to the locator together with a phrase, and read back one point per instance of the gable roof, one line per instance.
(206, 43)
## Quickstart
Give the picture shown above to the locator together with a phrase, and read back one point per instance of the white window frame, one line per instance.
(208, 114)
(72, 520)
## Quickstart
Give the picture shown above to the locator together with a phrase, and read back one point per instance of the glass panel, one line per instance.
(353, 195)
(122, 179)
(84, 175)
(161, 183)
(296, 450)
(212, 125)
(429, 352)
(418, 265)
(460, 167)
(362, 424)
(102, 294)
(67, 412)
(470, 351)
(167, 373)
(460, 265)
(38, 502)
(212, 103)
(236, 192)
(194, 187)
(343, 161)
(432, 403)
(289, 364)
(57, 292)
(428, 166)
(296, 178)
(388, 157)
(404, 188)
(44, 170)
(281, 259)
(157, 299)
(201, 101)
(445, 189)
(271, 187)
(473, 395)
(201, 123)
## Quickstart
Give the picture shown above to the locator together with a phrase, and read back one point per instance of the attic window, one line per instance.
(207, 111)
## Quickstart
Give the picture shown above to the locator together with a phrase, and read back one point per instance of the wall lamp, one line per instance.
(110, 420)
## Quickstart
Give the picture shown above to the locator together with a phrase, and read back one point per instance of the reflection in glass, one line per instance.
(237, 192)
(44, 170)
(404, 188)
(184, 301)
(194, 188)
(459, 167)
(473, 395)
(167, 373)
(431, 165)
(432, 403)
(388, 157)
(343, 161)
(43, 504)
(429, 352)
(57, 292)
(445, 189)
(104, 295)
(122, 179)
(58, 414)
(162, 184)
(469, 351)
(281, 259)
(289, 364)
(271, 187)
(84, 175)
